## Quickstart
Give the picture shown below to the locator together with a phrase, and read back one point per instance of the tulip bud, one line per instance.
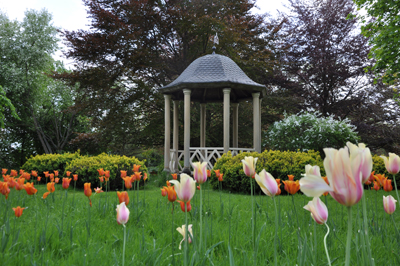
(318, 210)
(389, 204)
(122, 214)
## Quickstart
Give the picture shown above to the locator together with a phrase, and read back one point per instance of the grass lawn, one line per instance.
(65, 230)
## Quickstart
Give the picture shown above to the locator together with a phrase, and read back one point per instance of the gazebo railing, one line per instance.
(206, 154)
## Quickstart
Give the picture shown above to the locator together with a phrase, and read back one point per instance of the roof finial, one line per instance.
(216, 41)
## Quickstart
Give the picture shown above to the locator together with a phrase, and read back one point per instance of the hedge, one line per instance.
(279, 163)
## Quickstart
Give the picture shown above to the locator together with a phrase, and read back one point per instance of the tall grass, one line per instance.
(35, 237)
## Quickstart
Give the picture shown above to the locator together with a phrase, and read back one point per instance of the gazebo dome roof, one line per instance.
(208, 75)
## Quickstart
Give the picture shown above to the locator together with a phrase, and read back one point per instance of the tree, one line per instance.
(4, 104)
(327, 57)
(382, 26)
(325, 67)
(134, 47)
(26, 50)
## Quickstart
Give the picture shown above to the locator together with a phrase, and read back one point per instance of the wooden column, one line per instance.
(256, 122)
(235, 122)
(167, 140)
(226, 118)
(175, 140)
(186, 133)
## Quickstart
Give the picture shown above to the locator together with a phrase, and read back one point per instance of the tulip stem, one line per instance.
(395, 186)
(123, 249)
(201, 215)
(366, 228)
(186, 237)
(252, 213)
(326, 249)
(172, 235)
(395, 227)
(276, 234)
(349, 233)
(62, 216)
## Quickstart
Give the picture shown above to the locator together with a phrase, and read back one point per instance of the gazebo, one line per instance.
(210, 78)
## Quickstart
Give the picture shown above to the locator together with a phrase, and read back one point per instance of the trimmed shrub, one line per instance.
(86, 168)
(279, 163)
(310, 131)
(49, 162)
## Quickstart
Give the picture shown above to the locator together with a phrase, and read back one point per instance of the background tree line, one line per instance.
(313, 58)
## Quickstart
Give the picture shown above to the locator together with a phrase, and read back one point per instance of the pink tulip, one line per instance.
(389, 204)
(313, 170)
(186, 188)
(249, 166)
(122, 214)
(318, 210)
(200, 172)
(366, 159)
(344, 176)
(182, 231)
(267, 183)
(392, 163)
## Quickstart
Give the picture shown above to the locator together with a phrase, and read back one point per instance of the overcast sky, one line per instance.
(71, 14)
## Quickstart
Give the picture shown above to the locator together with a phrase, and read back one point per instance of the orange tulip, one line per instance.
(20, 184)
(68, 173)
(278, 181)
(163, 192)
(18, 211)
(291, 186)
(188, 206)
(13, 173)
(55, 173)
(75, 177)
(138, 175)
(326, 180)
(57, 179)
(46, 174)
(174, 176)
(128, 181)
(101, 179)
(208, 173)
(45, 195)
(11, 181)
(4, 189)
(21, 171)
(370, 179)
(198, 187)
(101, 171)
(380, 178)
(51, 177)
(136, 167)
(220, 177)
(171, 193)
(291, 177)
(39, 178)
(168, 183)
(123, 197)
(123, 173)
(107, 174)
(4, 171)
(27, 176)
(50, 187)
(145, 177)
(88, 192)
(376, 186)
(387, 185)
(30, 189)
(217, 173)
(34, 173)
(106, 178)
(65, 183)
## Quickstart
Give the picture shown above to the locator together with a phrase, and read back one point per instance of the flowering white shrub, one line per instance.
(309, 131)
